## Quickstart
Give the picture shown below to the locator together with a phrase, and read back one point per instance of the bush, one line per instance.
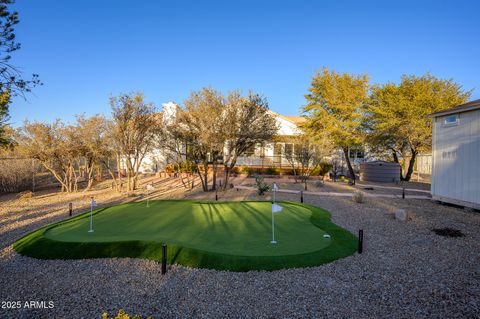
(16, 175)
(319, 184)
(169, 169)
(262, 187)
(244, 169)
(132, 194)
(122, 315)
(25, 195)
(289, 172)
(324, 168)
(358, 197)
(272, 170)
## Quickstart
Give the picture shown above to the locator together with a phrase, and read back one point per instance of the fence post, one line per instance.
(403, 192)
(33, 175)
(301, 196)
(164, 259)
(360, 241)
(70, 209)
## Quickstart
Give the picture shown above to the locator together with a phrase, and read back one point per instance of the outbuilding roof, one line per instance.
(470, 106)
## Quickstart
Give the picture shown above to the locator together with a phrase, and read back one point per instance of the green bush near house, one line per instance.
(272, 170)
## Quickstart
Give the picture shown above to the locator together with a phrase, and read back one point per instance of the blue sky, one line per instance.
(86, 51)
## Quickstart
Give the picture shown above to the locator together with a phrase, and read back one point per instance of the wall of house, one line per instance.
(269, 155)
(456, 160)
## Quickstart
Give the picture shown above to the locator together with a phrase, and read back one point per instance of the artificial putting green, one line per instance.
(218, 235)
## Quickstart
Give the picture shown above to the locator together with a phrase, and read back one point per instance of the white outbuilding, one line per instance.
(456, 155)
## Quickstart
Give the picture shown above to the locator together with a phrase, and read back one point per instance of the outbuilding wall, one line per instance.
(456, 160)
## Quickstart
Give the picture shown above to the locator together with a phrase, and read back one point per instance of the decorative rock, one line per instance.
(401, 214)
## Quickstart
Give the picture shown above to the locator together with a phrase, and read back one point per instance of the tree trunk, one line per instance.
(226, 173)
(214, 181)
(227, 169)
(349, 165)
(203, 176)
(396, 160)
(89, 167)
(411, 163)
(119, 173)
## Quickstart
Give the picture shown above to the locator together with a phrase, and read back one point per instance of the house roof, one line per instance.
(295, 119)
(470, 106)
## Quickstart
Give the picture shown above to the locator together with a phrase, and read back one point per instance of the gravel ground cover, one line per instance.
(406, 271)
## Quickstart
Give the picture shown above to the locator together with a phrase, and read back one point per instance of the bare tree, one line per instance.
(246, 123)
(94, 148)
(56, 147)
(197, 134)
(136, 127)
(306, 157)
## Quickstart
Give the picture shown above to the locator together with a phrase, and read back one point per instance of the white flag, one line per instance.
(150, 187)
(275, 186)
(276, 208)
(94, 203)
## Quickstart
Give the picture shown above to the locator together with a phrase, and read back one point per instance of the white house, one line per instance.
(273, 152)
(270, 154)
(456, 155)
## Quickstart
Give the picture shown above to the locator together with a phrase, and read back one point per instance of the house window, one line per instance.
(250, 151)
(450, 120)
(356, 153)
(288, 150)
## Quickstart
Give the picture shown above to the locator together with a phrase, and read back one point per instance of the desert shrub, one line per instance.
(186, 167)
(16, 175)
(262, 187)
(323, 168)
(289, 172)
(319, 184)
(244, 169)
(272, 170)
(132, 194)
(25, 195)
(358, 197)
(123, 315)
(169, 169)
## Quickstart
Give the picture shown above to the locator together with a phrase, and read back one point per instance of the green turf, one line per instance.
(219, 235)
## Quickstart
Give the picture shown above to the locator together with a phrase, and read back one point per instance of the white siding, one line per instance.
(456, 159)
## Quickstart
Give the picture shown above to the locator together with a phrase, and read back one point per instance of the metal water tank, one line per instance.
(380, 171)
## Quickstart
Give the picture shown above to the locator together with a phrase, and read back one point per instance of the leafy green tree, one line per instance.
(4, 101)
(334, 109)
(11, 81)
(396, 116)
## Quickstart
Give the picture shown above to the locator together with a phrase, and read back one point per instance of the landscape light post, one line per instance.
(360, 241)
(164, 259)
